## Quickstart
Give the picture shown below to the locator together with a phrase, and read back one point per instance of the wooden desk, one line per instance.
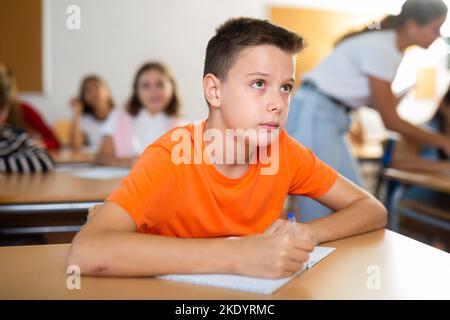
(429, 213)
(69, 156)
(409, 270)
(435, 182)
(52, 203)
(55, 187)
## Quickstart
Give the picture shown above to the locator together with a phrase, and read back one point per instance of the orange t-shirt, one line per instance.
(197, 201)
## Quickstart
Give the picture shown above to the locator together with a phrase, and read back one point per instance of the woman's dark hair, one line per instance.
(421, 11)
(135, 105)
(88, 109)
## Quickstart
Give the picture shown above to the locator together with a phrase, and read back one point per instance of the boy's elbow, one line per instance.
(78, 255)
(381, 215)
(83, 255)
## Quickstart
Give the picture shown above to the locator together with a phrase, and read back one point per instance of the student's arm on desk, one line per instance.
(356, 212)
(407, 157)
(108, 245)
(77, 137)
(106, 155)
(386, 104)
(422, 165)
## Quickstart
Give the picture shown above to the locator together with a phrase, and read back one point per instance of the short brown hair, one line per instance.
(134, 105)
(237, 34)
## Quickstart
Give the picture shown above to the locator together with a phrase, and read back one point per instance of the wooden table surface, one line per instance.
(69, 156)
(367, 151)
(437, 182)
(408, 270)
(55, 187)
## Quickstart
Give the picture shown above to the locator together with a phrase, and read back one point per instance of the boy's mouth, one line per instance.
(270, 125)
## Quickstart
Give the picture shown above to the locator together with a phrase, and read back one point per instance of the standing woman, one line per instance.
(359, 72)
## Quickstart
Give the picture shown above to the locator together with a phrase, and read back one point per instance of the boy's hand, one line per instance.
(77, 107)
(273, 255)
(302, 230)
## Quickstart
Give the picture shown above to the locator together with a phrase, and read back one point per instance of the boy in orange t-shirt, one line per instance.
(226, 176)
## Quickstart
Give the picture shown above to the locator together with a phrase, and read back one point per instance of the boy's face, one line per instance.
(256, 93)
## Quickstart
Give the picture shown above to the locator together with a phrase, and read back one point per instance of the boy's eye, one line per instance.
(258, 84)
(286, 88)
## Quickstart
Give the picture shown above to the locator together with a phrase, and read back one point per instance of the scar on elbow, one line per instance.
(98, 270)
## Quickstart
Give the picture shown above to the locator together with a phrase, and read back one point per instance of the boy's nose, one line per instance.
(275, 102)
(275, 106)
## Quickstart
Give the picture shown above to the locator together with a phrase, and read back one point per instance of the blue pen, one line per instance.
(292, 222)
(293, 227)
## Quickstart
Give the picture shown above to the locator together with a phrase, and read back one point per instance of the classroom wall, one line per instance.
(117, 36)
(24, 56)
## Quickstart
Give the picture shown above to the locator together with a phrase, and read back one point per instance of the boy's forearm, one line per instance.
(136, 254)
(361, 216)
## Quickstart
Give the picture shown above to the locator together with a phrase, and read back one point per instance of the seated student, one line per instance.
(25, 117)
(409, 155)
(173, 211)
(152, 110)
(91, 108)
(18, 153)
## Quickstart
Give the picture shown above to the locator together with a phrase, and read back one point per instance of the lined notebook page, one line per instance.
(101, 173)
(248, 284)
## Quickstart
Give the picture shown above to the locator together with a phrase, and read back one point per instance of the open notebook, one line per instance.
(101, 173)
(249, 284)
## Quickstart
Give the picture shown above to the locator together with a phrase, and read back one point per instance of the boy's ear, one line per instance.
(211, 89)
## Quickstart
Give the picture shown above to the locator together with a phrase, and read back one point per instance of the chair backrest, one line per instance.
(386, 160)
(388, 152)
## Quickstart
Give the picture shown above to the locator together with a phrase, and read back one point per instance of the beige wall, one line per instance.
(21, 41)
